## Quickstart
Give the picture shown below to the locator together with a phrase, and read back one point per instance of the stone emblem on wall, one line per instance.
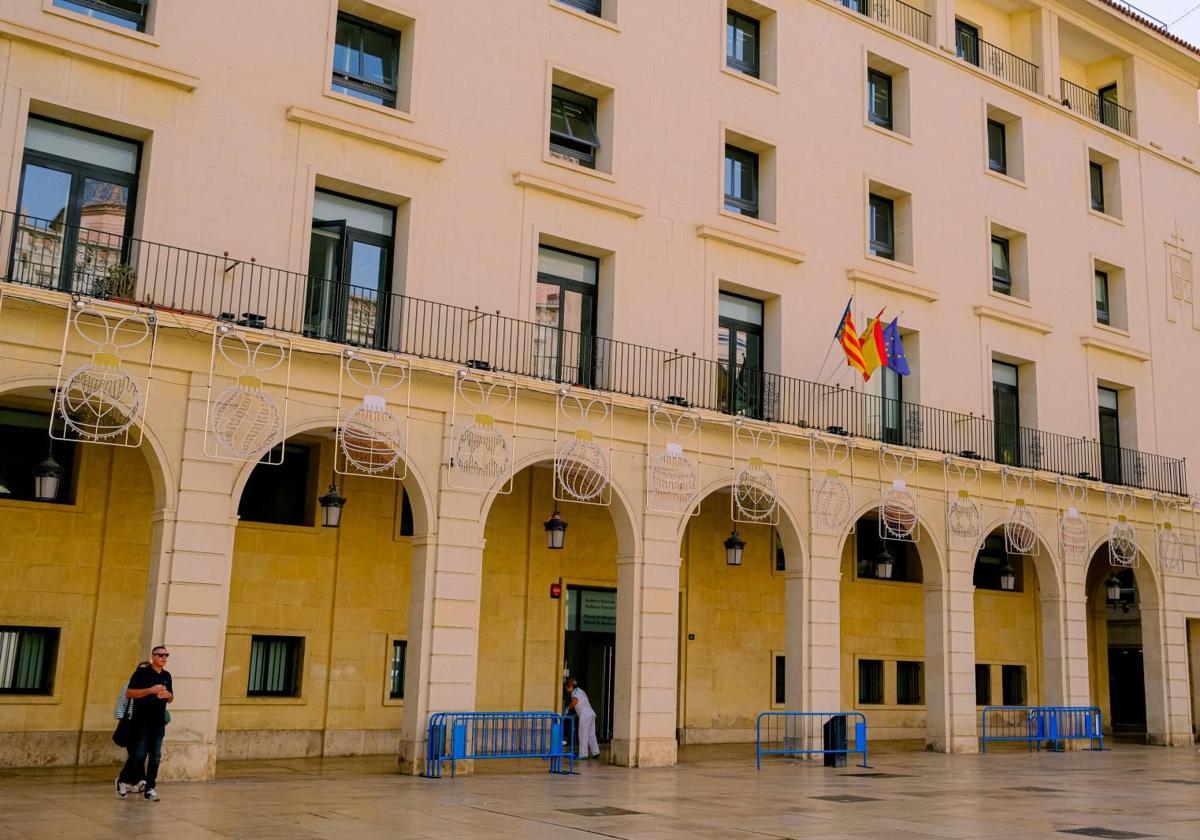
(1180, 296)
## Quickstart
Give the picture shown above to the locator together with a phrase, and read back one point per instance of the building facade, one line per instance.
(481, 261)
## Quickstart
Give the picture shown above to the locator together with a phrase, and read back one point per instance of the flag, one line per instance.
(896, 359)
(841, 327)
(850, 343)
(874, 353)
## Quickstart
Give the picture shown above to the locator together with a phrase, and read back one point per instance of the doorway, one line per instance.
(1126, 692)
(589, 650)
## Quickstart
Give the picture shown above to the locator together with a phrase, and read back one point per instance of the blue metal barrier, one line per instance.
(803, 733)
(1035, 725)
(462, 736)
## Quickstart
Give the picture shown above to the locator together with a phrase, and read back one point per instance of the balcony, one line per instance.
(1097, 107)
(95, 263)
(996, 61)
(894, 14)
(1096, 79)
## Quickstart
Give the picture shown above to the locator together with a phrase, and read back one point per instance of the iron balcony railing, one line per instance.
(893, 14)
(1097, 108)
(108, 265)
(1000, 63)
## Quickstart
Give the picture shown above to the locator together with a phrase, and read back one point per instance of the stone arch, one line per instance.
(791, 533)
(1046, 562)
(929, 544)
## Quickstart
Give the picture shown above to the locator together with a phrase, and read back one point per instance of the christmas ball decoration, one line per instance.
(371, 437)
(582, 469)
(1122, 543)
(480, 450)
(754, 492)
(99, 401)
(964, 517)
(1020, 531)
(898, 512)
(672, 478)
(1072, 532)
(245, 419)
(831, 501)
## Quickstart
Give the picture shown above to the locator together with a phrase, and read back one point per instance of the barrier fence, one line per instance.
(463, 736)
(810, 733)
(1035, 725)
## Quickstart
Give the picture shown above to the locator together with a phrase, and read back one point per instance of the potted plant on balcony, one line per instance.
(119, 284)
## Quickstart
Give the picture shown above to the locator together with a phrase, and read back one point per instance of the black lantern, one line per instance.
(735, 547)
(46, 478)
(884, 563)
(331, 507)
(1008, 577)
(556, 531)
(1112, 591)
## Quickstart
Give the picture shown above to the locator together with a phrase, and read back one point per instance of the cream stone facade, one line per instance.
(435, 592)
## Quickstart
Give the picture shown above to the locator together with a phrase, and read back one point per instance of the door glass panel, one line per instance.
(1110, 436)
(38, 246)
(101, 239)
(66, 141)
(360, 215)
(364, 300)
(575, 267)
(324, 264)
(546, 336)
(740, 309)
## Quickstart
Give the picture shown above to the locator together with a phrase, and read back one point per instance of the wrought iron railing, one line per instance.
(1000, 63)
(107, 265)
(1097, 108)
(894, 14)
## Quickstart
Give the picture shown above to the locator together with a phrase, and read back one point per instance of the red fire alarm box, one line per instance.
(556, 590)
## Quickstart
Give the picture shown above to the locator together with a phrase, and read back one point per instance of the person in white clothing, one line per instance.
(587, 720)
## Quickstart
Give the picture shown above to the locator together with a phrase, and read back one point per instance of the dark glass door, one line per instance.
(1108, 106)
(324, 278)
(565, 312)
(1127, 689)
(740, 355)
(966, 38)
(1110, 436)
(893, 406)
(1006, 409)
(589, 650)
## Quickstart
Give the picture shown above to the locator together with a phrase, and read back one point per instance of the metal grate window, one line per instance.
(910, 683)
(983, 685)
(1012, 678)
(399, 655)
(366, 58)
(870, 681)
(130, 14)
(275, 666)
(27, 657)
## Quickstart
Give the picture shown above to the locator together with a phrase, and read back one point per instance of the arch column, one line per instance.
(646, 705)
(1056, 664)
(1178, 687)
(950, 658)
(1077, 690)
(813, 642)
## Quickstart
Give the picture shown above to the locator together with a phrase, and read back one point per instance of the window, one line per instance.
(1096, 176)
(77, 191)
(406, 514)
(1001, 271)
(592, 7)
(281, 492)
(780, 698)
(870, 681)
(349, 270)
(966, 39)
(275, 663)
(366, 60)
(1110, 434)
(740, 354)
(1109, 108)
(27, 658)
(879, 98)
(997, 151)
(1012, 678)
(565, 338)
(573, 132)
(130, 14)
(1006, 408)
(396, 669)
(780, 557)
(741, 42)
(883, 230)
(991, 560)
(26, 442)
(741, 181)
(1102, 310)
(983, 685)
(892, 387)
(868, 545)
(910, 683)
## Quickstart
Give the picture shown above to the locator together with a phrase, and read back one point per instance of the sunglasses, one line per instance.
(163, 655)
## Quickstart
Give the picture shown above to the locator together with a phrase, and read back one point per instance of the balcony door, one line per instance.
(349, 270)
(74, 209)
(1007, 413)
(740, 355)
(966, 38)
(1109, 107)
(565, 336)
(1110, 436)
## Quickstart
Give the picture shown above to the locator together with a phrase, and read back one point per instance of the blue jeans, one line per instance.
(145, 753)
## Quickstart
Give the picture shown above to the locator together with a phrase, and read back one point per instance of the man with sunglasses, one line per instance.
(150, 691)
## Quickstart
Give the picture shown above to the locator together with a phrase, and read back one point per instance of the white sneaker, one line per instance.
(139, 787)
(151, 795)
(121, 787)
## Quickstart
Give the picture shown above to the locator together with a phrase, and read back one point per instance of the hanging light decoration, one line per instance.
(884, 564)
(1112, 591)
(735, 547)
(556, 531)
(1008, 577)
(47, 476)
(331, 506)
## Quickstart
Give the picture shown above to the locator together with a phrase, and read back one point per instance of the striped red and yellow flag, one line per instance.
(852, 345)
(872, 347)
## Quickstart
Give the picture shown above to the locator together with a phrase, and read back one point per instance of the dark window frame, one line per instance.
(735, 203)
(1103, 297)
(117, 9)
(293, 665)
(1002, 282)
(875, 78)
(591, 7)
(910, 683)
(1109, 106)
(589, 293)
(870, 691)
(270, 473)
(997, 133)
(990, 560)
(396, 668)
(16, 473)
(883, 248)
(779, 688)
(361, 84)
(1007, 432)
(983, 684)
(906, 559)
(1096, 185)
(732, 21)
(1109, 437)
(747, 398)
(966, 41)
(892, 405)
(45, 666)
(1013, 681)
(583, 150)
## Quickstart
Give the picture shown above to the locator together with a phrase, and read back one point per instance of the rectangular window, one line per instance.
(780, 558)
(740, 354)
(910, 683)
(366, 59)
(592, 7)
(870, 681)
(966, 38)
(892, 392)
(1110, 435)
(1103, 316)
(879, 98)
(1013, 679)
(24, 444)
(741, 43)
(1006, 409)
(1109, 107)
(564, 344)
(396, 671)
(281, 492)
(1001, 269)
(573, 126)
(997, 153)
(883, 227)
(1096, 179)
(780, 677)
(27, 658)
(275, 663)
(130, 14)
(741, 181)
(983, 685)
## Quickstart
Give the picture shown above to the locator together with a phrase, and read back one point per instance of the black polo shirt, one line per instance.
(150, 709)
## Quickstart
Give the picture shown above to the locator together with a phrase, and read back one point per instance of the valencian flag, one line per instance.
(848, 336)
(874, 351)
(896, 360)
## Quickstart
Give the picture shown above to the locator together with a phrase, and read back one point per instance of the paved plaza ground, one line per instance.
(714, 792)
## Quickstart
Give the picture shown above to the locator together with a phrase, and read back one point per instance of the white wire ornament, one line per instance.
(1192, 507)
(583, 449)
(244, 420)
(832, 469)
(1020, 522)
(964, 514)
(897, 505)
(754, 496)
(103, 400)
(673, 446)
(1168, 535)
(374, 394)
(1073, 540)
(482, 432)
(1122, 536)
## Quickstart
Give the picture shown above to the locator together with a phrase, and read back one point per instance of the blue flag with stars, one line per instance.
(896, 360)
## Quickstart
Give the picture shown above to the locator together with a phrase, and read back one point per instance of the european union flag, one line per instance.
(896, 360)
